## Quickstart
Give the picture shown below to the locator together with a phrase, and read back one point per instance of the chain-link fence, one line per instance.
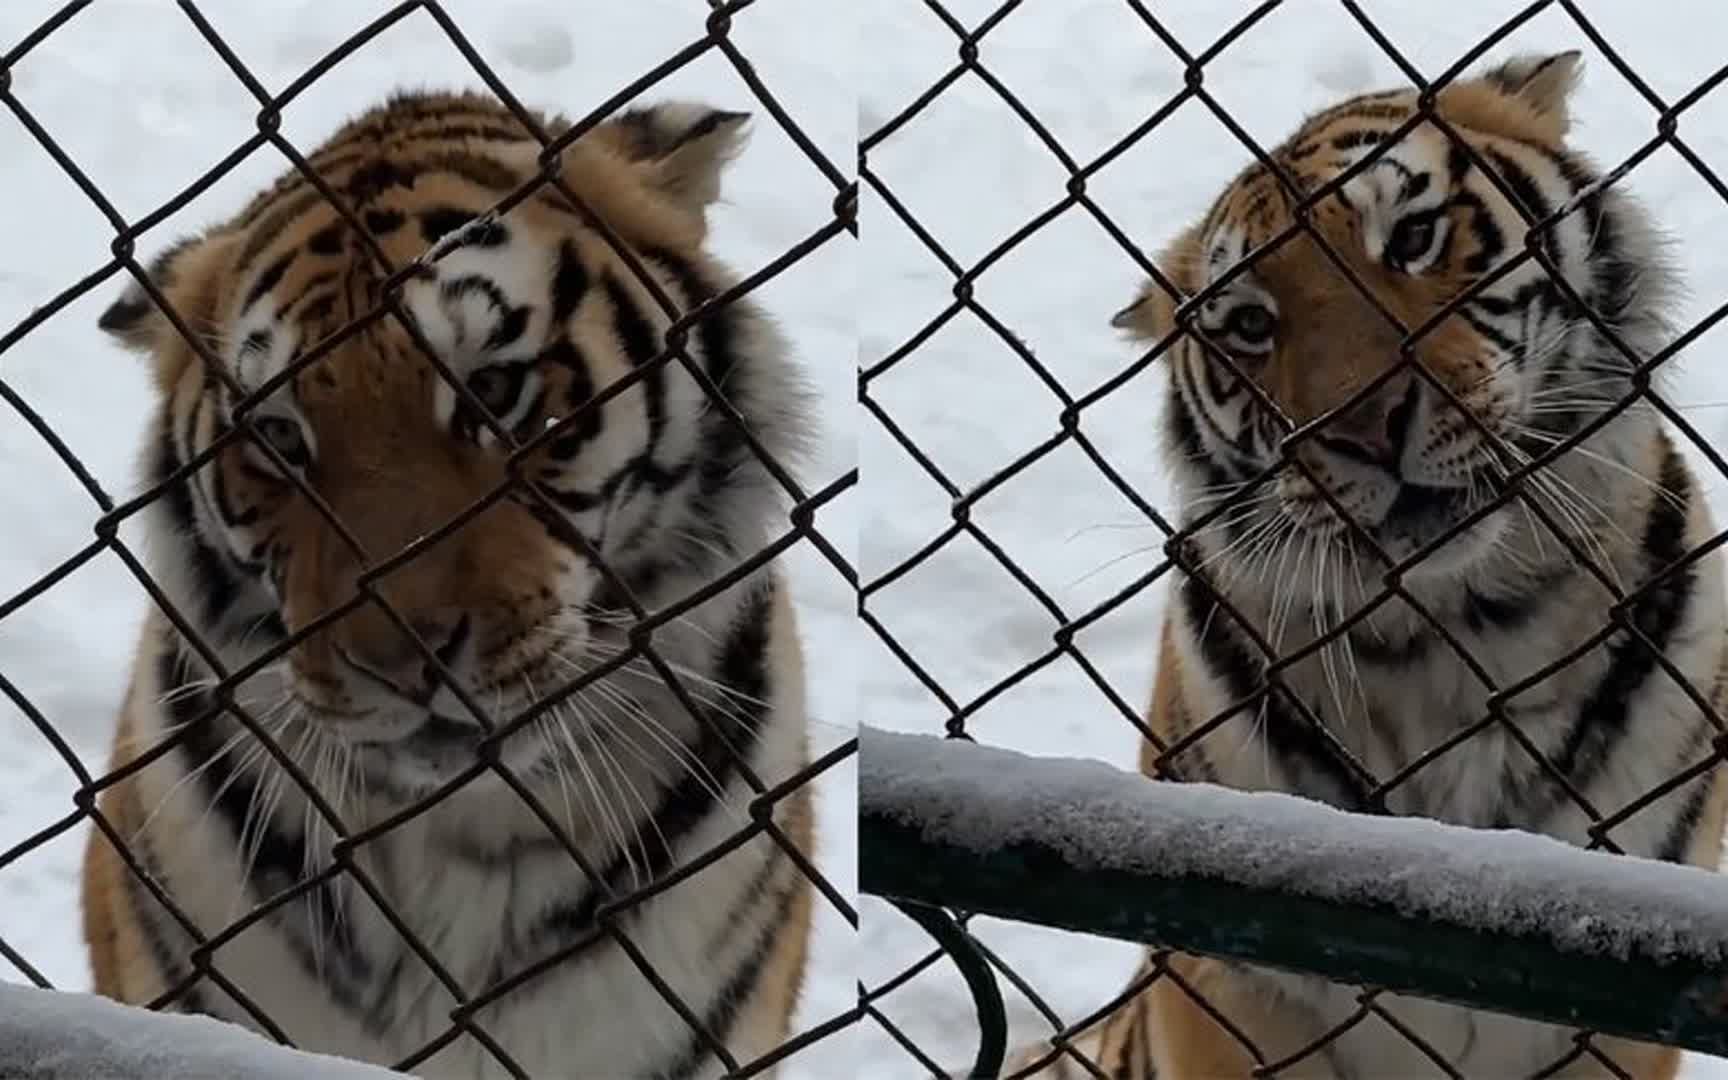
(607, 919)
(1070, 435)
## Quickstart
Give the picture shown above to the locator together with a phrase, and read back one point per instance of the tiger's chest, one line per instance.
(1472, 721)
(1550, 721)
(489, 961)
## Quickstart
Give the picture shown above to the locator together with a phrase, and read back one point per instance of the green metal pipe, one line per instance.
(1681, 1003)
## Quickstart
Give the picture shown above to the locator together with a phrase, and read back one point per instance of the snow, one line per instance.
(984, 799)
(140, 102)
(133, 95)
(57, 1036)
(973, 174)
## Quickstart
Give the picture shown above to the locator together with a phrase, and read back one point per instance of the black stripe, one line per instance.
(512, 324)
(726, 738)
(1497, 306)
(1509, 610)
(1688, 814)
(279, 858)
(512, 319)
(144, 908)
(377, 176)
(368, 179)
(1384, 652)
(270, 218)
(723, 456)
(1489, 239)
(1614, 276)
(576, 502)
(532, 422)
(640, 344)
(480, 171)
(638, 340)
(722, 1013)
(1352, 140)
(1685, 824)
(269, 279)
(214, 585)
(1216, 373)
(488, 132)
(1605, 719)
(569, 284)
(718, 330)
(1124, 1068)
(1503, 341)
(229, 515)
(709, 124)
(1185, 371)
(383, 221)
(660, 480)
(1199, 767)
(440, 221)
(589, 421)
(315, 312)
(328, 240)
(307, 288)
(1292, 740)
(557, 526)
(1523, 185)
(1182, 433)
(1457, 162)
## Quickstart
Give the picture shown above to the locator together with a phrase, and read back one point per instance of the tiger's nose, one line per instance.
(1376, 430)
(393, 659)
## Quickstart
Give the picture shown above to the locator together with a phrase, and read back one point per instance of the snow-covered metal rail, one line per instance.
(1500, 920)
(47, 1034)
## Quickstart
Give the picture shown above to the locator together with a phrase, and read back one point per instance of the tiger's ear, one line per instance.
(1526, 97)
(686, 147)
(1152, 314)
(1543, 82)
(189, 276)
(1149, 314)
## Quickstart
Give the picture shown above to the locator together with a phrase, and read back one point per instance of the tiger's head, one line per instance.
(368, 450)
(1505, 375)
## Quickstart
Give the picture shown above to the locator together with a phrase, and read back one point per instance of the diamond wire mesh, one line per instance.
(970, 72)
(711, 36)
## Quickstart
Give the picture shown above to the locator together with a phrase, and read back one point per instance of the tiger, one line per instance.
(689, 942)
(1510, 596)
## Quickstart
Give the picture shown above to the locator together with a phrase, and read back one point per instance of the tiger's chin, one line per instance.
(416, 752)
(1423, 533)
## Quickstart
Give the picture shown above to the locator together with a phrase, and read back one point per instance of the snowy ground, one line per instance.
(144, 106)
(973, 173)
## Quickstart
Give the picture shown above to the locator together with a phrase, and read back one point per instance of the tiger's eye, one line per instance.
(1252, 323)
(497, 387)
(1410, 239)
(285, 437)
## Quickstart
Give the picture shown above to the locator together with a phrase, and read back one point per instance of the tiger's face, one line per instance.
(368, 451)
(1406, 455)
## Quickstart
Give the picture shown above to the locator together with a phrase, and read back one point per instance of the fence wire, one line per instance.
(1179, 563)
(710, 36)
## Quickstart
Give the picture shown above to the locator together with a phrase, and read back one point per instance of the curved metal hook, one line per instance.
(980, 980)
